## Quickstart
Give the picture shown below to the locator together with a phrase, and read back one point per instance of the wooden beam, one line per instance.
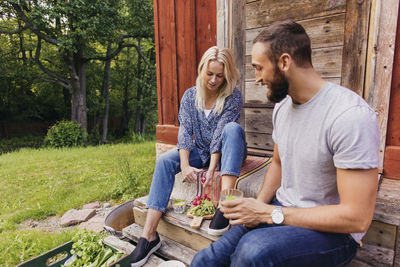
(355, 45)
(379, 77)
(167, 84)
(186, 46)
(167, 134)
(393, 131)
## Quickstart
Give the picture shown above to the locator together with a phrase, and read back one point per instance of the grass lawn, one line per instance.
(37, 183)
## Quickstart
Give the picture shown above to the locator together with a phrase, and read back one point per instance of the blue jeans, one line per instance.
(273, 245)
(233, 153)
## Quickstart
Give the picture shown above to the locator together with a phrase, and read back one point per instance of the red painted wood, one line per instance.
(392, 162)
(183, 31)
(186, 45)
(206, 26)
(167, 134)
(167, 61)
(156, 37)
(393, 130)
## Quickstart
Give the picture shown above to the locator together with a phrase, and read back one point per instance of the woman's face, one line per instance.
(214, 75)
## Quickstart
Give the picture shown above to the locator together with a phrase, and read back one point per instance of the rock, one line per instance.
(106, 205)
(94, 224)
(77, 216)
(93, 205)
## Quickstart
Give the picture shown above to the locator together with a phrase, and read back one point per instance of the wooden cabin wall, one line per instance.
(325, 22)
(184, 30)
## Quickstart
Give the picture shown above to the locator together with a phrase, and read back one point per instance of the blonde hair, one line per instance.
(231, 76)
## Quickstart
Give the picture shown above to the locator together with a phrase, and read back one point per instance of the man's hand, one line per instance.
(190, 174)
(247, 211)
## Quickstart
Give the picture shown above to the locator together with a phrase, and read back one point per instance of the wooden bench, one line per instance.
(381, 244)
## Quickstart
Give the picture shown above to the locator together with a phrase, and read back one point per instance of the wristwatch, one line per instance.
(277, 215)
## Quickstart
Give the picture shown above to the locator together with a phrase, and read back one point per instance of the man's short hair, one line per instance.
(287, 37)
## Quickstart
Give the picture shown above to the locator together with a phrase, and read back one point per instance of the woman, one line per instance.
(208, 133)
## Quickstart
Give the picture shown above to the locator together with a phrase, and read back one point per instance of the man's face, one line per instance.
(268, 73)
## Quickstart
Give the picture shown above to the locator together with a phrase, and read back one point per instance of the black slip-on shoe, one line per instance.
(219, 224)
(143, 251)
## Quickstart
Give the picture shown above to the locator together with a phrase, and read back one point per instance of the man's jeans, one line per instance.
(234, 151)
(272, 245)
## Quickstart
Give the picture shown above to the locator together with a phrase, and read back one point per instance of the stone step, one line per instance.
(169, 249)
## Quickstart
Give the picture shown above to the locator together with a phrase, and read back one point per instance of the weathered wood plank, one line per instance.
(127, 248)
(259, 152)
(324, 32)
(258, 120)
(257, 94)
(397, 252)
(262, 13)
(118, 244)
(326, 61)
(355, 45)
(381, 235)
(169, 249)
(375, 256)
(387, 207)
(176, 231)
(380, 74)
(259, 140)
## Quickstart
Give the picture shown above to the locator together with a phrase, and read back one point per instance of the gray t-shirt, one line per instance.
(334, 129)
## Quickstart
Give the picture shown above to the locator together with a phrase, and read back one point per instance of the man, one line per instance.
(321, 185)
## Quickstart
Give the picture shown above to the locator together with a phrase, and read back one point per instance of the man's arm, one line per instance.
(357, 191)
(272, 179)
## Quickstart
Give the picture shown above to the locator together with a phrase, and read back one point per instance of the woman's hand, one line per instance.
(247, 211)
(209, 177)
(190, 174)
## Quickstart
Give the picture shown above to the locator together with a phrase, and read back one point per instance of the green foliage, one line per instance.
(12, 144)
(21, 245)
(81, 28)
(91, 251)
(65, 134)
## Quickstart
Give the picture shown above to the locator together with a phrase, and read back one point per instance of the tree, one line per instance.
(76, 30)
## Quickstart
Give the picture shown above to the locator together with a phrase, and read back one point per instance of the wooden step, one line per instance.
(381, 244)
(374, 256)
(169, 249)
(127, 248)
(176, 227)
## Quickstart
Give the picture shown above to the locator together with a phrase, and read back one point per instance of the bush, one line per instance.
(12, 144)
(65, 134)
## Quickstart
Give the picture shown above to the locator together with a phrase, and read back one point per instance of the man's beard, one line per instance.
(278, 88)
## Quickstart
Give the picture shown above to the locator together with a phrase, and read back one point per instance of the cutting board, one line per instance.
(197, 220)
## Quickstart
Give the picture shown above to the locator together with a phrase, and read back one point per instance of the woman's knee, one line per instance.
(233, 129)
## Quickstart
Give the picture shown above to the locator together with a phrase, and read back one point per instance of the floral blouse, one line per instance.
(205, 133)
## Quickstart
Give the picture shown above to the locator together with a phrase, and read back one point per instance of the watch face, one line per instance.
(277, 217)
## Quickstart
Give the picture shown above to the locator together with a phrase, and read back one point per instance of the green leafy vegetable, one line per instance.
(91, 251)
(205, 208)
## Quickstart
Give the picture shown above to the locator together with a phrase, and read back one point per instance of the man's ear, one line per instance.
(284, 62)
